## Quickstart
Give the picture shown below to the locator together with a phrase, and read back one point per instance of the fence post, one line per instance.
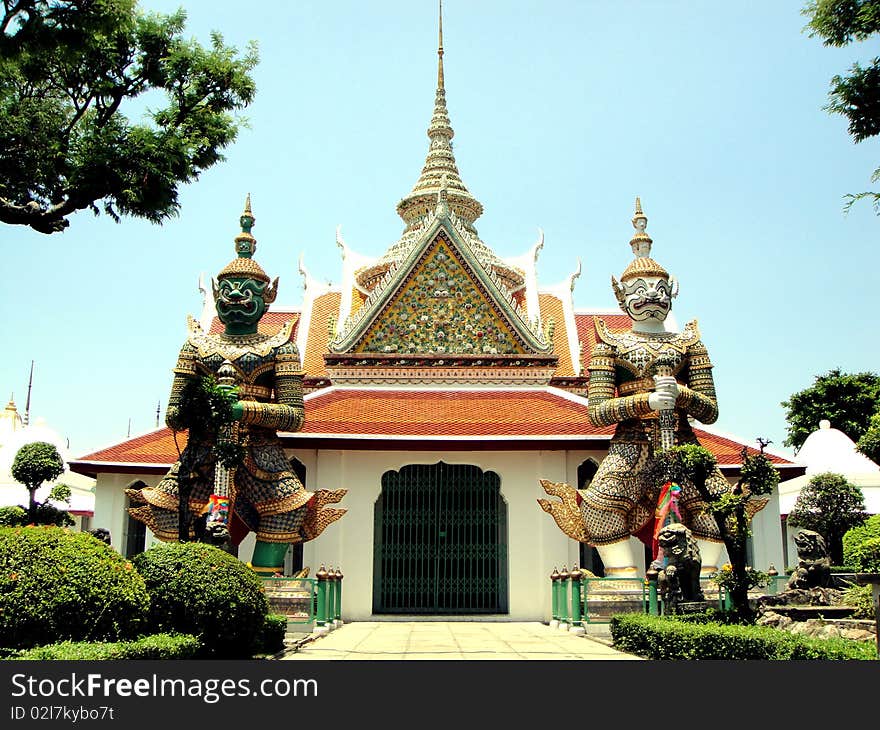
(563, 600)
(653, 605)
(321, 618)
(577, 625)
(554, 599)
(338, 615)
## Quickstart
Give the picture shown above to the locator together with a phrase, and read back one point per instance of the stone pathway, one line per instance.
(453, 640)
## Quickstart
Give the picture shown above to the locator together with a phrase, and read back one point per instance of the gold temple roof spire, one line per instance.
(439, 161)
(440, 84)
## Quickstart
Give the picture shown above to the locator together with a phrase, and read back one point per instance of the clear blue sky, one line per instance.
(563, 113)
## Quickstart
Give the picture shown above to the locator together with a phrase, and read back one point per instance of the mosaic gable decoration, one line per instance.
(442, 308)
(442, 299)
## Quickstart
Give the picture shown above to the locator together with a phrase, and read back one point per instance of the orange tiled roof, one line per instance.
(156, 447)
(447, 413)
(323, 308)
(551, 306)
(586, 328)
(269, 324)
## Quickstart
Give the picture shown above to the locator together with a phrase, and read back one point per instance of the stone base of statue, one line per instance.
(687, 607)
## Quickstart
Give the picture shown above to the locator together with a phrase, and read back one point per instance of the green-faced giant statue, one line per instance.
(261, 493)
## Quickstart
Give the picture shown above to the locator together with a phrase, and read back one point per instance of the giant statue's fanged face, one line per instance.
(646, 298)
(240, 301)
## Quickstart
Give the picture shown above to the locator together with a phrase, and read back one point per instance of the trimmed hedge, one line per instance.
(657, 637)
(199, 589)
(157, 646)
(57, 585)
(856, 536)
(274, 631)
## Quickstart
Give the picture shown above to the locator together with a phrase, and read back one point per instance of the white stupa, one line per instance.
(14, 434)
(830, 450)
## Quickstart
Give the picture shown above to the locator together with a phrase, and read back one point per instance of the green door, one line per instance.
(440, 541)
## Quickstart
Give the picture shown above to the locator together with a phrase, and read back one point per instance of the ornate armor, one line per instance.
(622, 497)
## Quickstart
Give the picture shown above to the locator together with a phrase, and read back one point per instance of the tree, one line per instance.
(732, 510)
(855, 95)
(848, 400)
(869, 443)
(69, 70)
(829, 505)
(34, 464)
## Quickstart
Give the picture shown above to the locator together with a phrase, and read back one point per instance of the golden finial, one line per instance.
(440, 52)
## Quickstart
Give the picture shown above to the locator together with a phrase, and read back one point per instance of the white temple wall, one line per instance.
(535, 543)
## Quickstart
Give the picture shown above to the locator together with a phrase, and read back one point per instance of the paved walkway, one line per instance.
(453, 640)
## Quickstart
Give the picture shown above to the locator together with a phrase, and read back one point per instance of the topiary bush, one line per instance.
(274, 631)
(157, 646)
(57, 585)
(13, 516)
(199, 589)
(856, 537)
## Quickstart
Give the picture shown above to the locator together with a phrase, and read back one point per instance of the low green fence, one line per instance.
(315, 600)
(578, 600)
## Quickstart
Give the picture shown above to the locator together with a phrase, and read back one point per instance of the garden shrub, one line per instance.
(57, 585)
(157, 646)
(656, 637)
(13, 516)
(200, 589)
(274, 631)
(866, 555)
(855, 536)
(861, 599)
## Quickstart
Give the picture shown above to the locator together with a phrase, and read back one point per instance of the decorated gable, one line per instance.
(441, 307)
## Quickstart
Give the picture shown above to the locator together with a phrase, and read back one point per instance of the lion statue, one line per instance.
(814, 565)
(679, 579)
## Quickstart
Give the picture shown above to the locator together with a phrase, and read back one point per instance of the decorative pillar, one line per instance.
(651, 577)
(577, 624)
(563, 600)
(554, 599)
(321, 619)
(338, 615)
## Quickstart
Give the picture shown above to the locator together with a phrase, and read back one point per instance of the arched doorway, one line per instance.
(440, 541)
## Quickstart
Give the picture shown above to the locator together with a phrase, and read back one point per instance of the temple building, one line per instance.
(442, 383)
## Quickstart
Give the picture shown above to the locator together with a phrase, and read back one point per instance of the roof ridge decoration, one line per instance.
(439, 173)
(488, 286)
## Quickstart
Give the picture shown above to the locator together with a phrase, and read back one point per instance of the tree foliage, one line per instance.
(869, 441)
(70, 71)
(830, 505)
(731, 510)
(856, 94)
(34, 464)
(848, 400)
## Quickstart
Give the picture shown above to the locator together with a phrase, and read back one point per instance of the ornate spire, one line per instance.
(440, 84)
(641, 241)
(245, 246)
(642, 264)
(245, 243)
(440, 160)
